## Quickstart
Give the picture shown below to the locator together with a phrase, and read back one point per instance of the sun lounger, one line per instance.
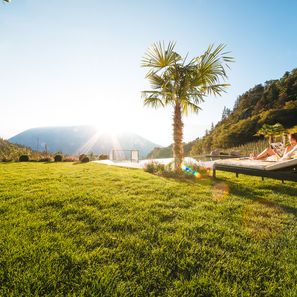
(283, 170)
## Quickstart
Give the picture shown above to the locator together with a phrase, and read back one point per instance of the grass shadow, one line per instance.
(249, 193)
(281, 189)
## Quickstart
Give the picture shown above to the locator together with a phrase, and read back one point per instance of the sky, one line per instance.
(73, 62)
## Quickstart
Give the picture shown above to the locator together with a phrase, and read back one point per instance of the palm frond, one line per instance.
(152, 99)
(156, 81)
(196, 96)
(211, 65)
(158, 56)
(173, 81)
(215, 89)
(189, 106)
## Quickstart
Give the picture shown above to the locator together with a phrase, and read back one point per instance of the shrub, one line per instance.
(152, 167)
(58, 158)
(156, 168)
(193, 171)
(70, 159)
(81, 157)
(24, 158)
(5, 159)
(103, 157)
(45, 159)
(85, 159)
(201, 170)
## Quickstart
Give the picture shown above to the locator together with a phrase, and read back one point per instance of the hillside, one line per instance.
(275, 101)
(81, 139)
(166, 152)
(9, 151)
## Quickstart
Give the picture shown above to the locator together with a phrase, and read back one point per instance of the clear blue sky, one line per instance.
(74, 62)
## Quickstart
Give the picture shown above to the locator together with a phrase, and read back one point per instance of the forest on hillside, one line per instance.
(12, 152)
(273, 102)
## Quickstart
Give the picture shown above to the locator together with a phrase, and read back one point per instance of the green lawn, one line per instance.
(92, 230)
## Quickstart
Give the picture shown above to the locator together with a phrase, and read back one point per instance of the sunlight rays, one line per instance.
(104, 137)
(87, 147)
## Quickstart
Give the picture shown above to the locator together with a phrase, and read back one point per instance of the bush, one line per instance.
(85, 159)
(81, 157)
(199, 171)
(154, 167)
(45, 159)
(190, 171)
(5, 159)
(161, 169)
(58, 158)
(103, 157)
(24, 158)
(70, 159)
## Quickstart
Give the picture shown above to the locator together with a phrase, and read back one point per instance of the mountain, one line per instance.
(81, 139)
(273, 102)
(166, 152)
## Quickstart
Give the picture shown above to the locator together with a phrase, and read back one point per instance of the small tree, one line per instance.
(212, 127)
(270, 131)
(226, 112)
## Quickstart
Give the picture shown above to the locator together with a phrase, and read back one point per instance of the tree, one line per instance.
(226, 112)
(270, 131)
(183, 85)
(212, 127)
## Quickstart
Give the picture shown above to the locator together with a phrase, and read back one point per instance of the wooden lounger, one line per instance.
(286, 170)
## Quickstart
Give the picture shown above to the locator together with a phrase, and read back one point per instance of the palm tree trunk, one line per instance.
(178, 150)
(284, 139)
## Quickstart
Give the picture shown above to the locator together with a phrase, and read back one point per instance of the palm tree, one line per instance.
(183, 85)
(270, 131)
(280, 131)
(267, 132)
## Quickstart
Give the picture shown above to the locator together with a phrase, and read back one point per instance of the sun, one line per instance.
(113, 125)
(109, 128)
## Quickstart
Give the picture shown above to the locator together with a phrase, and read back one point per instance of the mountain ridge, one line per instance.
(74, 140)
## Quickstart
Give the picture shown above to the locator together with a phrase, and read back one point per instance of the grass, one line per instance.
(94, 230)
